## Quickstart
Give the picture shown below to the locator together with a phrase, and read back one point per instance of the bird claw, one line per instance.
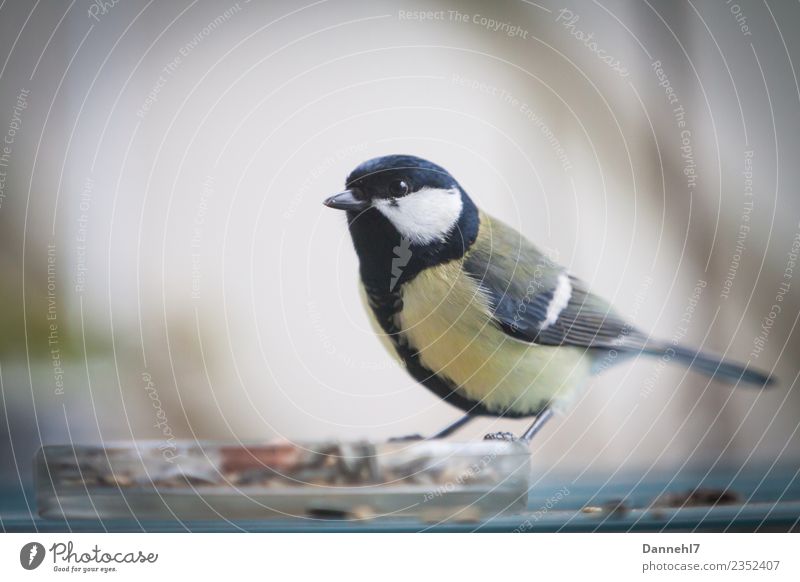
(407, 438)
(500, 436)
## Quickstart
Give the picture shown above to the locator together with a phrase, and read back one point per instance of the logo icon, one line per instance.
(402, 254)
(31, 555)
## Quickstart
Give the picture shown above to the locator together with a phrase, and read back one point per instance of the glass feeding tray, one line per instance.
(431, 480)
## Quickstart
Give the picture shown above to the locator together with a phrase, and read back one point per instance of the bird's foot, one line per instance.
(407, 438)
(500, 436)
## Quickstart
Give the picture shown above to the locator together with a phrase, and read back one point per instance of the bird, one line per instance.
(474, 311)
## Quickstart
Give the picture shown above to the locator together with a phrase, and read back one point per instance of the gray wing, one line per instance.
(535, 300)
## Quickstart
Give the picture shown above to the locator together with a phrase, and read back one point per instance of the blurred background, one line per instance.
(169, 272)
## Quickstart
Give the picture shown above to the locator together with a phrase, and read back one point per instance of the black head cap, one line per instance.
(397, 175)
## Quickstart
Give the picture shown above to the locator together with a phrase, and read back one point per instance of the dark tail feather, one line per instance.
(712, 366)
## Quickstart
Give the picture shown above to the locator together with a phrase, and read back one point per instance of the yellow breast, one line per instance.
(446, 318)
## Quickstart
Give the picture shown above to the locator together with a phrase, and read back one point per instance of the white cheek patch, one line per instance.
(423, 216)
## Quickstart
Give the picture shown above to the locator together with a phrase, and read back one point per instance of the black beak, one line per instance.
(346, 201)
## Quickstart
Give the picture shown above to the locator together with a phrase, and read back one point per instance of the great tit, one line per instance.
(474, 311)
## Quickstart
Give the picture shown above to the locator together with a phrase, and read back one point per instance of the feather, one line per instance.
(535, 300)
(528, 300)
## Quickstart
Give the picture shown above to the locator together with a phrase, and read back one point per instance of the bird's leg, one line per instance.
(451, 428)
(537, 425)
(445, 432)
(528, 435)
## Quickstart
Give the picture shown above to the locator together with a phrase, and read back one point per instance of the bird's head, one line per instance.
(419, 199)
(407, 201)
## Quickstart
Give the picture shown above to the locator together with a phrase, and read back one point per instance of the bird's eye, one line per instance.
(398, 188)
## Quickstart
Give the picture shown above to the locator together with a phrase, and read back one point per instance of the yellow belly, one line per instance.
(446, 318)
